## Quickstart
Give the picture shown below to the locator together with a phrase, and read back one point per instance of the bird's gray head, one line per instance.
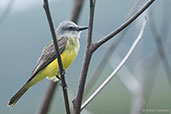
(69, 29)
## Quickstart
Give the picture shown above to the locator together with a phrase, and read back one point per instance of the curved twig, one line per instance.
(117, 68)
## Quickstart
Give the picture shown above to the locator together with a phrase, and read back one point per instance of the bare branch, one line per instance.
(166, 17)
(77, 7)
(44, 108)
(155, 58)
(61, 69)
(134, 87)
(78, 100)
(150, 80)
(6, 11)
(117, 69)
(123, 26)
(160, 47)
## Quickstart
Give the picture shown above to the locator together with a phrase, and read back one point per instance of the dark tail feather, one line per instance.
(18, 95)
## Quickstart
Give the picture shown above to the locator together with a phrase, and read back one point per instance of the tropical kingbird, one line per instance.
(67, 35)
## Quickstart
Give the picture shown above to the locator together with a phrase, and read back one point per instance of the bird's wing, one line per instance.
(48, 55)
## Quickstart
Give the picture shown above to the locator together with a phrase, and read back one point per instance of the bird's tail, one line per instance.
(18, 95)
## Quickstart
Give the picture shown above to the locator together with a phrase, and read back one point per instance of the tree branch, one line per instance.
(61, 69)
(77, 7)
(91, 47)
(123, 26)
(117, 68)
(48, 98)
(160, 48)
(87, 57)
(154, 59)
(6, 11)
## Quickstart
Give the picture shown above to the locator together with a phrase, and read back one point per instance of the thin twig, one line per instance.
(154, 59)
(117, 68)
(138, 96)
(160, 47)
(123, 26)
(77, 7)
(133, 85)
(5, 13)
(148, 66)
(87, 57)
(166, 17)
(61, 69)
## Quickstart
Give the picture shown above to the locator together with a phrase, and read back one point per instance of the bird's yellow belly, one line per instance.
(68, 56)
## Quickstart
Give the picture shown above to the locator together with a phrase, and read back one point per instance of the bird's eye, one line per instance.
(70, 28)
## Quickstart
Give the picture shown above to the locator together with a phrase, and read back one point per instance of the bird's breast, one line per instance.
(70, 52)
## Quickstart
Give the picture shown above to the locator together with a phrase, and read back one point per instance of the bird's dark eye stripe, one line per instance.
(70, 28)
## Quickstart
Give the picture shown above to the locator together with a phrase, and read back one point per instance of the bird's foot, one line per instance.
(63, 72)
(58, 77)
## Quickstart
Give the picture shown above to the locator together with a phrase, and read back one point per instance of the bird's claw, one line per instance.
(63, 72)
(58, 77)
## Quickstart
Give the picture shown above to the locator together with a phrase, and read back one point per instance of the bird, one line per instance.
(67, 34)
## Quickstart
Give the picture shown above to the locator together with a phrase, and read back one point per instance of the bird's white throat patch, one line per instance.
(71, 34)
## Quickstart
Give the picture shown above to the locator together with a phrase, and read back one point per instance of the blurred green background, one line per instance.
(24, 32)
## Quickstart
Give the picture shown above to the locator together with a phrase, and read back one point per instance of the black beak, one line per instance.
(81, 28)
